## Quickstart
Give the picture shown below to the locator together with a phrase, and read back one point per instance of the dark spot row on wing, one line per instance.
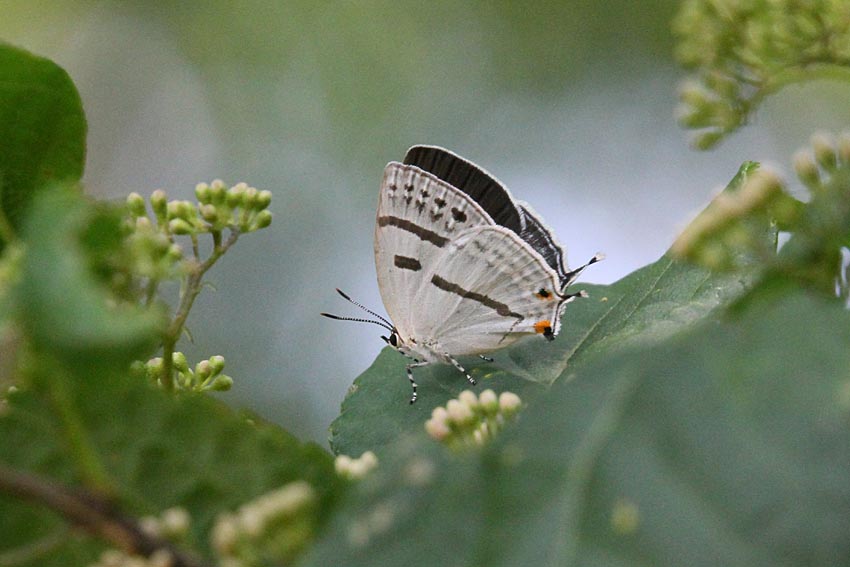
(467, 177)
(493, 198)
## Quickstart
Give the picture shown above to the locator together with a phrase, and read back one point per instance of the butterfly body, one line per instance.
(463, 268)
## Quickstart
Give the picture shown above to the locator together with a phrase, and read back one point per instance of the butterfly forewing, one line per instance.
(418, 217)
(485, 290)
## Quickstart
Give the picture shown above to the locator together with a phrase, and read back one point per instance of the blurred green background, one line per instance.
(571, 104)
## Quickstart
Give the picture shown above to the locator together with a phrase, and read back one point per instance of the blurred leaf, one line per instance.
(164, 451)
(42, 130)
(726, 445)
(646, 306)
(62, 305)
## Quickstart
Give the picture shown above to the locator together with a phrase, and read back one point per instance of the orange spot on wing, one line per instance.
(543, 327)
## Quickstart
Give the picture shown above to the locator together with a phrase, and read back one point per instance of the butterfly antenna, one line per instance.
(573, 274)
(366, 309)
(357, 319)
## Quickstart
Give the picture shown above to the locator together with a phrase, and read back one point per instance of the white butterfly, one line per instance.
(463, 268)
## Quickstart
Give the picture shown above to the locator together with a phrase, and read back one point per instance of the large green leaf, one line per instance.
(646, 306)
(42, 130)
(189, 451)
(727, 444)
(62, 305)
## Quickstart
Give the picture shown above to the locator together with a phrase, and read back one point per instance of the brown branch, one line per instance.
(91, 512)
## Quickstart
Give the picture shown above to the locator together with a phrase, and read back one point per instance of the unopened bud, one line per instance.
(438, 429)
(175, 522)
(264, 199)
(203, 370)
(824, 147)
(159, 204)
(249, 198)
(179, 226)
(458, 411)
(469, 398)
(203, 193)
(509, 403)
(221, 383)
(180, 362)
(218, 192)
(136, 205)
(209, 213)
(806, 168)
(216, 363)
(235, 195)
(264, 219)
(488, 400)
(175, 252)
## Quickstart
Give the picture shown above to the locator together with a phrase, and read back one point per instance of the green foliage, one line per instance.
(161, 451)
(739, 227)
(44, 130)
(78, 288)
(694, 412)
(742, 51)
(645, 307)
(726, 444)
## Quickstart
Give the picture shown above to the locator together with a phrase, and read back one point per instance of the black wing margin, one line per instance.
(464, 175)
(540, 238)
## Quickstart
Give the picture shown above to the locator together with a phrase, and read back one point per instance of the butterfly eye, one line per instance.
(393, 340)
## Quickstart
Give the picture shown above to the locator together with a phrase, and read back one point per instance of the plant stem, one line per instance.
(188, 293)
(80, 447)
(92, 512)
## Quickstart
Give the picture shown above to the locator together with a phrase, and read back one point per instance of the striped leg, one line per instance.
(462, 370)
(410, 368)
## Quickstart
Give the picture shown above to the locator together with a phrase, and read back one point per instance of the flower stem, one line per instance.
(189, 291)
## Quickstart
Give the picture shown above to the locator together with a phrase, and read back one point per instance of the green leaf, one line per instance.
(42, 131)
(727, 444)
(63, 306)
(164, 451)
(646, 306)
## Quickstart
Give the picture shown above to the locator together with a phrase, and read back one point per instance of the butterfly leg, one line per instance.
(410, 368)
(485, 358)
(462, 370)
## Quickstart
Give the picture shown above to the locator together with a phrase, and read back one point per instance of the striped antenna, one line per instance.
(381, 322)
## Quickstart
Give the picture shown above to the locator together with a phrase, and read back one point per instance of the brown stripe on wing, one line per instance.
(407, 263)
(501, 308)
(413, 228)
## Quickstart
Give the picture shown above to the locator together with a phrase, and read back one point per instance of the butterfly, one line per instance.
(463, 268)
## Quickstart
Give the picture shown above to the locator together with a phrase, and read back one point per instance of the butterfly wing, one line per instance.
(486, 289)
(418, 216)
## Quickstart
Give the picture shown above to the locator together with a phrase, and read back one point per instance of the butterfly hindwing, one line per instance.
(485, 290)
(419, 215)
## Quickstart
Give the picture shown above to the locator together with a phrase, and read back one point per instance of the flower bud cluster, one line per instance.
(153, 254)
(204, 377)
(742, 51)
(355, 469)
(272, 529)
(173, 524)
(732, 230)
(242, 207)
(816, 167)
(472, 420)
